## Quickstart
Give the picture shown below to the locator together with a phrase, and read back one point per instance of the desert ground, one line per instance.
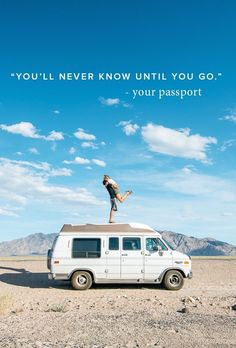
(37, 312)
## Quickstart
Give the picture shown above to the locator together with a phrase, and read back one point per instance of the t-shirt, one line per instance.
(110, 189)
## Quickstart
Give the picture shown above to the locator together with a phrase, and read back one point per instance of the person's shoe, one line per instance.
(112, 222)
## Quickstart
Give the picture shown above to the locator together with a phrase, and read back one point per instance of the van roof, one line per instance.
(115, 227)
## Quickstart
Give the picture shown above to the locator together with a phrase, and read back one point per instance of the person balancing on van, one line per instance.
(114, 193)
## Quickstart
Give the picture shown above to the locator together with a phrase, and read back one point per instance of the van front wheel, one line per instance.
(173, 280)
(81, 280)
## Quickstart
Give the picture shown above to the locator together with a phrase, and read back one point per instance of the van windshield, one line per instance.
(169, 244)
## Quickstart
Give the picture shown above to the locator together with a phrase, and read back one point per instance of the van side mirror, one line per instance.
(160, 250)
(157, 248)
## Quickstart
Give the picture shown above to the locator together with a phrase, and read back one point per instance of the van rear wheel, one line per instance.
(81, 280)
(173, 280)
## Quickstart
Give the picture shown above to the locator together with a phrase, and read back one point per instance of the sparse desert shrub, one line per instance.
(59, 308)
(5, 303)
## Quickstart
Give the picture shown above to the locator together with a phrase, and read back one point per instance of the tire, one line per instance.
(49, 259)
(173, 280)
(81, 280)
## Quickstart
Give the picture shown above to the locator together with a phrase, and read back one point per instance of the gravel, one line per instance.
(36, 312)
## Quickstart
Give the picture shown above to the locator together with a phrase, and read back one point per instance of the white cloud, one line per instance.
(33, 150)
(82, 135)
(177, 143)
(19, 153)
(109, 101)
(22, 183)
(114, 102)
(78, 160)
(128, 127)
(61, 172)
(227, 144)
(55, 136)
(231, 116)
(28, 130)
(44, 168)
(89, 144)
(103, 143)
(81, 160)
(72, 150)
(15, 197)
(186, 170)
(7, 212)
(127, 105)
(99, 162)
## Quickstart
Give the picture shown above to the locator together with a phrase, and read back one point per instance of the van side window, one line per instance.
(86, 248)
(131, 243)
(113, 243)
(152, 244)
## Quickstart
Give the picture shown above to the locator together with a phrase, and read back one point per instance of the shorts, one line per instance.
(113, 204)
(116, 190)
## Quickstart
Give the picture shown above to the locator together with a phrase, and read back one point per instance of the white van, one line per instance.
(116, 253)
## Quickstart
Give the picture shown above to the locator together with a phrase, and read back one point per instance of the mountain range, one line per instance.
(39, 243)
(199, 246)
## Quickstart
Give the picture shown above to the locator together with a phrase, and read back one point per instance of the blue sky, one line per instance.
(58, 138)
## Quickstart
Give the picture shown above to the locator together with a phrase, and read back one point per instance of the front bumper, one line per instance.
(190, 275)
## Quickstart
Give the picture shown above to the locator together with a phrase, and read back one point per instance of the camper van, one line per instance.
(116, 253)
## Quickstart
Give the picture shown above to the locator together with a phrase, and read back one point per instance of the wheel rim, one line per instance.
(82, 280)
(174, 280)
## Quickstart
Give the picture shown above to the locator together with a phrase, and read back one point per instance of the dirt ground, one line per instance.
(37, 312)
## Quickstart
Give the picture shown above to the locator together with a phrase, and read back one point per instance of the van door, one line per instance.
(113, 258)
(132, 260)
(157, 258)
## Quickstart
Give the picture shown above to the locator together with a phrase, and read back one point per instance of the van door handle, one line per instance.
(147, 254)
(124, 254)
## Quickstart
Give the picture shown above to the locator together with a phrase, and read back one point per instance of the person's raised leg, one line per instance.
(120, 198)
